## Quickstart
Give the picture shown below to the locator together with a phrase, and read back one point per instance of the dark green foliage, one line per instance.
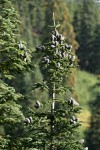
(86, 19)
(14, 58)
(95, 54)
(54, 127)
(14, 55)
(92, 135)
(10, 115)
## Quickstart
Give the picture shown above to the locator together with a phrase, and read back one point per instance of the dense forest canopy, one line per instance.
(29, 73)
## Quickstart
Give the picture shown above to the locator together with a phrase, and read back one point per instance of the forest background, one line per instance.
(80, 24)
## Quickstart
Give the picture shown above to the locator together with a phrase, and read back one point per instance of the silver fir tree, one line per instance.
(55, 124)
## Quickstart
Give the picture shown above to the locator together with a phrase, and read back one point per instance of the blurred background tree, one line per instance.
(86, 20)
(92, 134)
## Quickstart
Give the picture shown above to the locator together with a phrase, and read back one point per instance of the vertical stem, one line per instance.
(54, 20)
(52, 117)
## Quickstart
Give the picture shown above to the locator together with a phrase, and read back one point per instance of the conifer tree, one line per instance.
(63, 17)
(14, 55)
(86, 18)
(14, 58)
(54, 127)
(92, 134)
(95, 55)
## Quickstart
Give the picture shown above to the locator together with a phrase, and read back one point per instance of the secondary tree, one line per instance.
(92, 134)
(14, 58)
(86, 19)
